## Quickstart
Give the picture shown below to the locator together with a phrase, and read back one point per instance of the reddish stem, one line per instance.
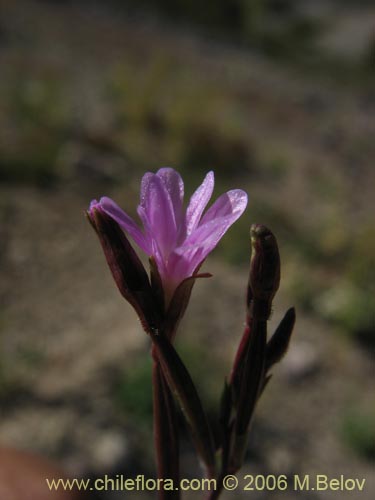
(165, 433)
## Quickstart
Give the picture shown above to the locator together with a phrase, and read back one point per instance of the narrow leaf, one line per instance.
(252, 378)
(237, 369)
(182, 386)
(279, 342)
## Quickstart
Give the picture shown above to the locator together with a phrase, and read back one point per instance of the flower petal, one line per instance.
(127, 223)
(183, 262)
(223, 213)
(198, 202)
(154, 247)
(175, 188)
(208, 235)
(230, 204)
(157, 210)
(215, 223)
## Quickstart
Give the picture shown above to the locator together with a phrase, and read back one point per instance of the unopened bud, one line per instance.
(264, 276)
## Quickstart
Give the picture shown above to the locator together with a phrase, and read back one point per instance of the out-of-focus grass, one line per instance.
(27, 359)
(278, 28)
(38, 101)
(283, 30)
(133, 393)
(36, 118)
(350, 302)
(337, 284)
(206, 148)
(351, 309)
(358, 433)
(38, 170)
(187, 123)
(205, 371)
(3, 377)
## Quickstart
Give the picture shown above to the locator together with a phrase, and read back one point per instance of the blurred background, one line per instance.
(277, 97)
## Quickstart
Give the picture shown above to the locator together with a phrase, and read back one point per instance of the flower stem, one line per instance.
(165, 433)
(214, 494)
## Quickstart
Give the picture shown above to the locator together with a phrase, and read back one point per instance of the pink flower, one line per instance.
(178, 239)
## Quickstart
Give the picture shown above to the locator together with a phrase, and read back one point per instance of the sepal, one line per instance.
(179, 303)
(126, 268)
(278, 345)
(264, 277)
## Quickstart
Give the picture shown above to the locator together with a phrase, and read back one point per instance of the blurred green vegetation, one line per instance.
(36, 111)
(3, 379)
(285, 30)
(349, 302)
(133, 393)
(205, 371)
(358, 433)
(277, 27)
